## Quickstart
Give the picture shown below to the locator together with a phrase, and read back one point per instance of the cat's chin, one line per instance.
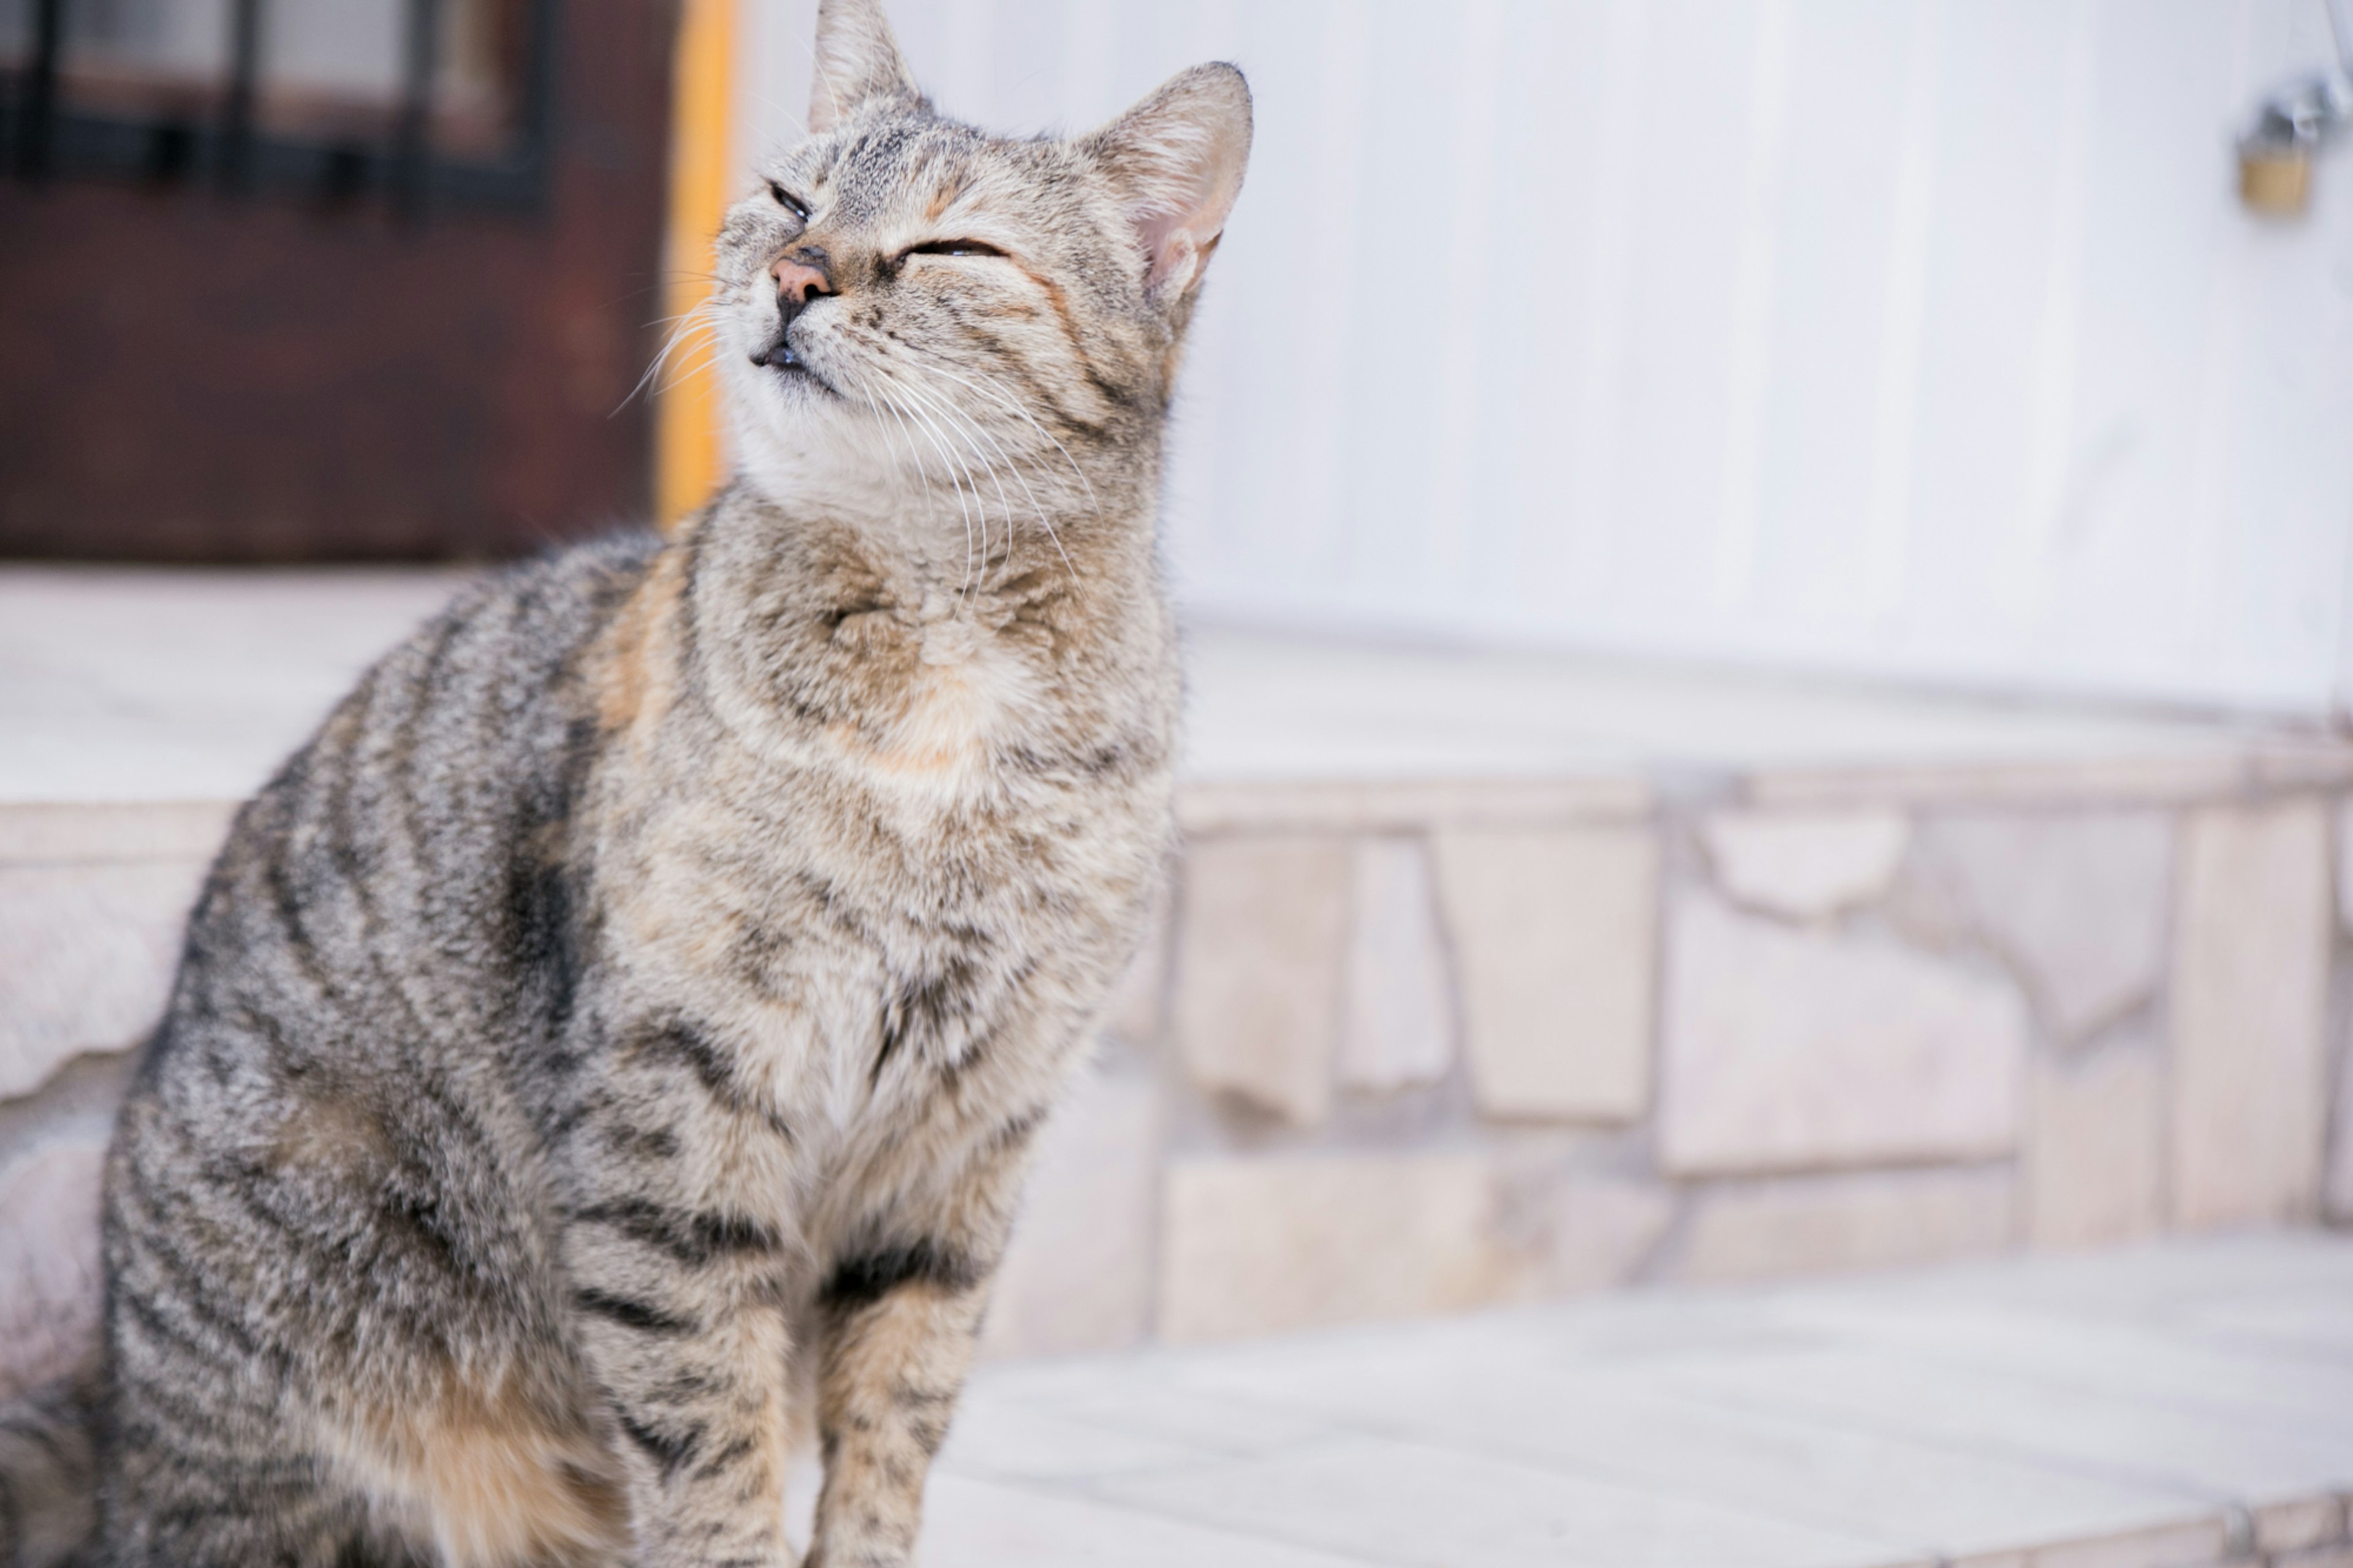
(817, 452)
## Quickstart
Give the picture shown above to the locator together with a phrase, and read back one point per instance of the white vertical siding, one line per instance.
(1919, 339)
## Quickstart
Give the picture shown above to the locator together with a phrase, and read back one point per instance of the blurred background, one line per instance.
(1769, 642)
(327, 280)
(1897, 339)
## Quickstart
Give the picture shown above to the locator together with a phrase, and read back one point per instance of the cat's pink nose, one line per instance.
(796, 280)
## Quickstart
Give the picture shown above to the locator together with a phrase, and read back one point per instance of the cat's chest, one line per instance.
(887, 860)
(852, 987)
(928, 701)
(858, 940)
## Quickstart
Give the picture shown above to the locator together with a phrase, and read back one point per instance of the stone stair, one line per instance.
(1487, 978)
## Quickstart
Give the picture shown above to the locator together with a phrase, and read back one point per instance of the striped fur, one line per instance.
(613, 1042)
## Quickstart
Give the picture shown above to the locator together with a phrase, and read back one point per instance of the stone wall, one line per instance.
(1401, 1050)
(1404, 1050)
(92, 900)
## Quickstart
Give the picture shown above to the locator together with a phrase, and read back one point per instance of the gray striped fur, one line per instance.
(611, 1046)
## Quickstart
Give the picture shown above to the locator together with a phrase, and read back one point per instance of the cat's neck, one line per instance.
(817, 635)
(918, 553)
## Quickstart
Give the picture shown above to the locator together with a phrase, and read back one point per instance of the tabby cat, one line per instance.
(610, 1046)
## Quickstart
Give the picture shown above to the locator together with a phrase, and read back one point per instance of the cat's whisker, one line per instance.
(940, 443)
(956, 417)
(695, 357)
(964, 587)
(915, 457)
(1012, 462)
(994, 388)
(945, 407)
(1015, 461)
(958, 465)
(932, 413)
(700, 322)
(925, 474)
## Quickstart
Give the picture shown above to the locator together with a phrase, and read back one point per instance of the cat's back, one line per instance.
(386, 932)
(404, 866)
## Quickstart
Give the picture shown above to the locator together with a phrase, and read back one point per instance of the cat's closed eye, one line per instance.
(959, 248)
(788, 201)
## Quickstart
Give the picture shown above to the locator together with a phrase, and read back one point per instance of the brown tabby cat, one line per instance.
(634, 1006)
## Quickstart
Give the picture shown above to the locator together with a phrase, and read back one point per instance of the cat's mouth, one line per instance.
(779, 356)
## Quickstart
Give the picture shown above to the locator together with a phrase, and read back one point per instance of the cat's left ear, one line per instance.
(1177, 158)
(857, 60)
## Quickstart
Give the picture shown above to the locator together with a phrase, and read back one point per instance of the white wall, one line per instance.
(1919, 339)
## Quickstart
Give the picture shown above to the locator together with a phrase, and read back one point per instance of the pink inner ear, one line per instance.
(1178, 158)
(1186, 211)
(1165, 241)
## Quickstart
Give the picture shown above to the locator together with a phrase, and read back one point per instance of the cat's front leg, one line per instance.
(901, 1311)
(677, 1309)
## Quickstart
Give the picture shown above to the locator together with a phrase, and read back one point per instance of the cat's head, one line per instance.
(909, 300)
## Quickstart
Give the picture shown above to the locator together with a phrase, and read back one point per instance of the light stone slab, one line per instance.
(2318, 1557)
(1263, 927)
(142, 685)
(2248, 1015)
(970, 1523)
(2317, 1324)
(2086, 780)
(1396, 1016)
(54, 834)
(1796, 1050)
(1808, 864)
(1140, 1396)
(1600, 1415)
(2094, 1166)
(2009, 1414)
(1404, 804)
(2193, 1544)
(1078, 1276)
(1554, 935)
(1404, 1502)
(2035, 1417)
(2337, 1181)
(2302, 1524)
(2345, 865)
(2145, 1361)
(1012, 1439)
(1133, 1014)
(50, 1270)
(1774, 1229)
(1597, 1232)
(2309, 762)
(2077, 901)
(1259, 1245)
(86, 958)
(1311, 705)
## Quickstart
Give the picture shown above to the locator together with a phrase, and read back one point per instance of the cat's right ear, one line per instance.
(857, 60)
(1177, 158)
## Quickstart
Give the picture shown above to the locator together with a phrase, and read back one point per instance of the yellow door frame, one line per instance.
(686, 405)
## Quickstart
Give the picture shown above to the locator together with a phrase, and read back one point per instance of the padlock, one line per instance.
(2275, 180)
(2276, 150)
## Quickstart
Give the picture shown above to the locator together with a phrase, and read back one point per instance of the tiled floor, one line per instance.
(2182, 1405)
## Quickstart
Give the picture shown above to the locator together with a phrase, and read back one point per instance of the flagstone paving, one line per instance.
(2175, 1407)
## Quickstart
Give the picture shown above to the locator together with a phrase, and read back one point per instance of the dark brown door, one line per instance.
(268, 293)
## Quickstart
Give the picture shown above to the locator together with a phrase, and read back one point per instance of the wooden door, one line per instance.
(270, 292)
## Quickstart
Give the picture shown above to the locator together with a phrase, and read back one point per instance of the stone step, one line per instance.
(1485, 978)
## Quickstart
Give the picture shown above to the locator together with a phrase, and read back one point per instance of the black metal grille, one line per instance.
(45, 134)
